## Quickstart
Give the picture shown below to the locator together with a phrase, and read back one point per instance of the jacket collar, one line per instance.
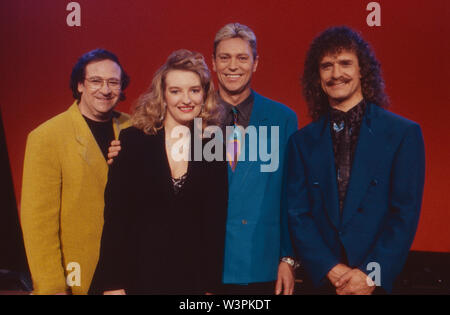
(87, 145)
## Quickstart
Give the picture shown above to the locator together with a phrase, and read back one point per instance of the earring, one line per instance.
(163, 112)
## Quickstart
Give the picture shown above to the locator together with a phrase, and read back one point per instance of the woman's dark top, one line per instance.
(156, 241)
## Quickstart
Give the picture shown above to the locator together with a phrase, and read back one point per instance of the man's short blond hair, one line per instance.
(236, 30)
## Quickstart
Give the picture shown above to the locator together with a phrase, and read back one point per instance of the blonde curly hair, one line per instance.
(150, 111)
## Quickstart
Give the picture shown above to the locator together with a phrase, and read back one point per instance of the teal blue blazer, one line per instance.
(382, 206)
(257, 234)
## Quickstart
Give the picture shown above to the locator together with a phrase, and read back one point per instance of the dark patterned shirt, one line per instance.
(244, 111)
(345, 128)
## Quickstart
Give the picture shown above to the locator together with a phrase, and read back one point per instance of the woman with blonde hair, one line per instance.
(165, 216)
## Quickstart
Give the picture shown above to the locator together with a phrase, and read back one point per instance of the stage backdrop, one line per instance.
(42, 39)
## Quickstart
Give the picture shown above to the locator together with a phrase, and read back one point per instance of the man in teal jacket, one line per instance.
(258, 250)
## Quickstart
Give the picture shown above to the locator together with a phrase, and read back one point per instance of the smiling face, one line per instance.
(234, 64)
(341, 79)
(99, 99)
(184, 97)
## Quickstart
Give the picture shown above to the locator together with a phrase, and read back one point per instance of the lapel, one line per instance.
(159, 164)
(120, 121)
(324, 170)
(370, 148)
(244, 169)
(87, 145)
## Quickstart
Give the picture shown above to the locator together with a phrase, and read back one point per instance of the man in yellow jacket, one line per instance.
(64, 178)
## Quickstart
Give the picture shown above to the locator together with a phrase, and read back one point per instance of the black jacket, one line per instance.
(156, 242)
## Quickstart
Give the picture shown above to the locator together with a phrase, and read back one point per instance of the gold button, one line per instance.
(244, 221)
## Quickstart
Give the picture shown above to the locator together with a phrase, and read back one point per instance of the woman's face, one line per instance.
(184, 97)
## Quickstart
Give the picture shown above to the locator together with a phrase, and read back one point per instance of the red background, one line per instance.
(39, 50)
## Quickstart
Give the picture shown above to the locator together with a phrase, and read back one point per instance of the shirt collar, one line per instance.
(356, 113)
(244, 108)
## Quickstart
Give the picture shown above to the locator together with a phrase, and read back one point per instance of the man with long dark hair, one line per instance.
(356, 173)
(65, 174)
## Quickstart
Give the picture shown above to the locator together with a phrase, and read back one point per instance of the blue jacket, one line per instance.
(382, 205)
(257, 234)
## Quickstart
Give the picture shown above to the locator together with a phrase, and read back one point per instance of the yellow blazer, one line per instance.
(64, 178)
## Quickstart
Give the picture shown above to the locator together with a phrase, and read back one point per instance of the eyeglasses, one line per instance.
(96, 83)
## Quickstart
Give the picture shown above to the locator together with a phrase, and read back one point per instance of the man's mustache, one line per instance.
(337, 81)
